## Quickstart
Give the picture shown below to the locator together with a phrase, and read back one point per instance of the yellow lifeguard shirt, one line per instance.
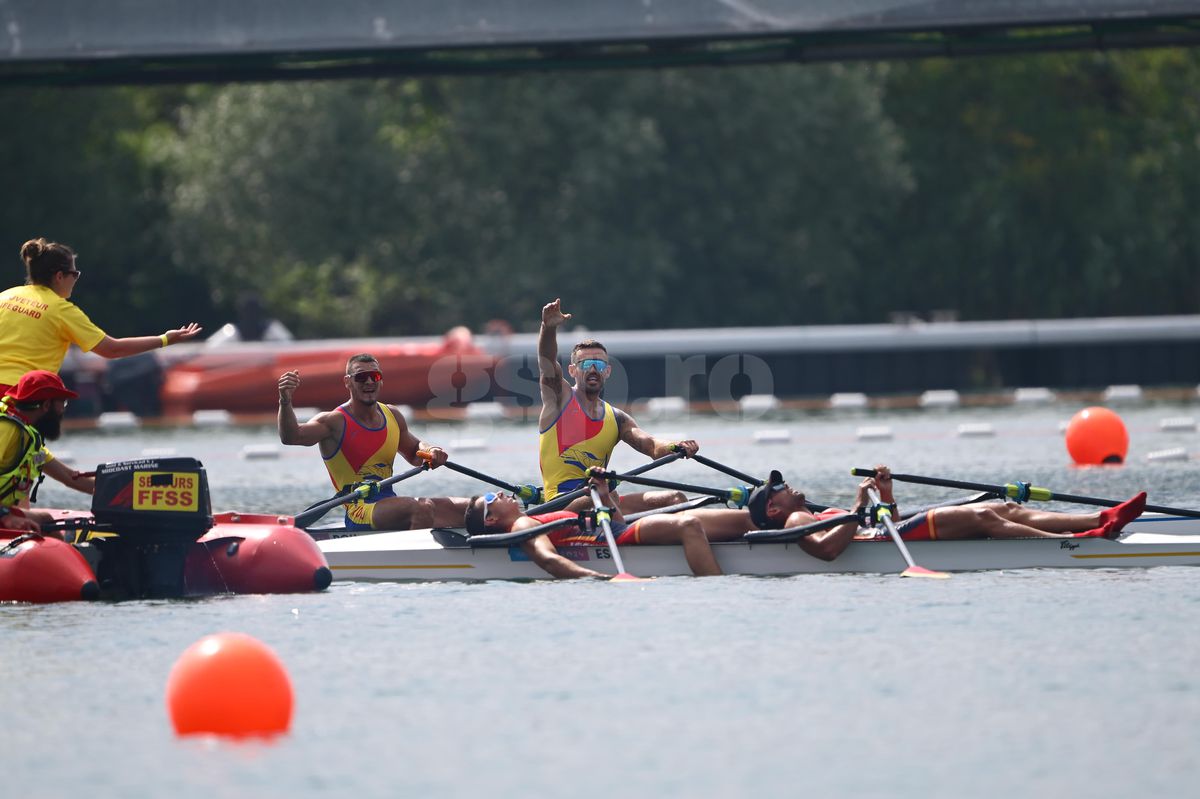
(36, 327)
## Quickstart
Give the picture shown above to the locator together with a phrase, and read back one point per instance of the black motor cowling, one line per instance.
(158, 508)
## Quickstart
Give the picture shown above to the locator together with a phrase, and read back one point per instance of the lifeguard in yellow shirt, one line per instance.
(38, 321)
(578, 429)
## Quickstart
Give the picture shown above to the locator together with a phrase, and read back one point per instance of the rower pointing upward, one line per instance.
(578, 429)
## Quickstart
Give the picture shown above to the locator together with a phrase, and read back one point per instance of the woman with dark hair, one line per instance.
(38, 321)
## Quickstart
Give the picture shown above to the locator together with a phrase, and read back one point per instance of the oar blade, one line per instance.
(626, 577)
(921, 571)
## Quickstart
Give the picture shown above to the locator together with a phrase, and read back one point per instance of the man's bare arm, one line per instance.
(647, 444)
(291, 431)
(550, 374)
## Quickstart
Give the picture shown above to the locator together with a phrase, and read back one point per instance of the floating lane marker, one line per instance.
(874, 433)
(213, 417)
(1033, 395)
(485, 410)
(772, 436)
(468, 444)
(758, 404)
(976, 430)
(159, 452)
(1178, 424)
(947, 398)
(666, 406)
(117, 420)
(260, 452)
(1166, 455)
(1123, 394)
(850, 400)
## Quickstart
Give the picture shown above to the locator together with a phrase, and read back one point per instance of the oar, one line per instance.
(729, 470)
(883, 514)
(562, 500)
(310, 515)
(1022, 492)
(738, 494)
(789, 534)
(526, 493)
(603, 517)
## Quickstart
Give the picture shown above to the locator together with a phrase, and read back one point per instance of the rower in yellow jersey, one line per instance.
(579, 429)
(359, 441)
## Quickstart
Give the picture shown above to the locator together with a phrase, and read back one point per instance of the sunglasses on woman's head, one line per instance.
(488, 499)
(362, 377)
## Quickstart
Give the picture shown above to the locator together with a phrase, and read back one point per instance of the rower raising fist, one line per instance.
(552, 315)
(288, 382)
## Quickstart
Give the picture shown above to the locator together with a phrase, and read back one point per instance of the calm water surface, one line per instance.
(1035, 683)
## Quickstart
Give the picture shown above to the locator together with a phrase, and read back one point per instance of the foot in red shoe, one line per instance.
(1124, 513)
(1105, 530)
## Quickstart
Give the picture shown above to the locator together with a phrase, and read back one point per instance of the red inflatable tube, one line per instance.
(35, 568)
(248, 553)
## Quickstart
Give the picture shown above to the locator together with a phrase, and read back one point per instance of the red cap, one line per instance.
(40, 385)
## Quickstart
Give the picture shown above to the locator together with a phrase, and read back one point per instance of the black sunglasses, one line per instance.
(374, 376)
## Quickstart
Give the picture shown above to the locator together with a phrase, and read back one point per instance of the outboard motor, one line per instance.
(157, 508)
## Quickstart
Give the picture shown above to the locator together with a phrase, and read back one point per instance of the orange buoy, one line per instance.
(1097, 436)
(229, 684)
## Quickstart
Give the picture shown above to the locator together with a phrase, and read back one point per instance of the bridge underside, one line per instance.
(71, 42)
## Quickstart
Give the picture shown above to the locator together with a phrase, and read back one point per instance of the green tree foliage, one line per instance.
(644, 199)
(77, 170)
(1032, 186)
(1049, 186)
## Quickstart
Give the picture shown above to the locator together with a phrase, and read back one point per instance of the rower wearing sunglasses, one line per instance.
(359, 441)
(578, 430)
(492, 513)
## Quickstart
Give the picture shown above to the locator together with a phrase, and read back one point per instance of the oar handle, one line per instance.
(788, 534)
(528, 493)
(729, 470)
(1016, 491)
(310, 515)
(563, 500)
(721, 493)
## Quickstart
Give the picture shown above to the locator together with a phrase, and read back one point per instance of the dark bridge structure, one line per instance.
(73, 42)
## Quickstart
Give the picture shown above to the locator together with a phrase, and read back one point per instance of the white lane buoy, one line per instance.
(849, 400)
(260, 452)
(666, 406)
(467, 444)
(1177, 424)
(1127, 393)
(758, 403)
(772, 436)
(1033, 395)
(976, 430)
(117, 420)
(485, 410)
(159, 452)
(1173, 454)
(874, 433)
(212, 417)
(939, 398)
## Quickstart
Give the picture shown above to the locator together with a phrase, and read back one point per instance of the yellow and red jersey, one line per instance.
(574, 443)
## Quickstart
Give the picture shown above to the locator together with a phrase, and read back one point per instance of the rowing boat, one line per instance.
(439, 554)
